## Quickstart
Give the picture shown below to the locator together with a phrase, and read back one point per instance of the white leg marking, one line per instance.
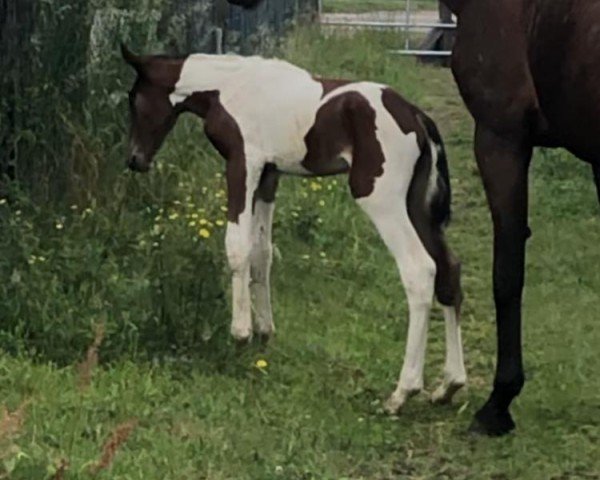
(261, 259)
(417, 270)
(238, 243)
(455, 375)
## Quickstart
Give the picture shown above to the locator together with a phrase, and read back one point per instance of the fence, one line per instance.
(62, 80)
(439, 40)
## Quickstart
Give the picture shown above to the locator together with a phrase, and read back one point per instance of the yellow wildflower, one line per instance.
(204, 233)
(322, 203)
(315, 187)
(2, 201)
(220, 223)
(262, 364)
(59, 225)
(174, 216)
(203, 222)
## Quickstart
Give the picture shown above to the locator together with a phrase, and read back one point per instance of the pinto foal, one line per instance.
(268, 117)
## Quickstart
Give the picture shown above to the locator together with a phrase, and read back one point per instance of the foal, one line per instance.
(268, 117)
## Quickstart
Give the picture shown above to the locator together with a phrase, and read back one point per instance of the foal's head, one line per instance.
(152, 113)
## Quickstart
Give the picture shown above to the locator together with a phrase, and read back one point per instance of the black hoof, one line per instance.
(492, 422)
(264, 338)
(242, 343)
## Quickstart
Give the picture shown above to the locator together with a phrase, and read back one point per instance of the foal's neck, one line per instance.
(206, 73)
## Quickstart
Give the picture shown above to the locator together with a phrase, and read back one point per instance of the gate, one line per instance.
(438, 42)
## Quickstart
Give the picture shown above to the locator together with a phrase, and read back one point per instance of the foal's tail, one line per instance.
(438, 198)
(439, 191)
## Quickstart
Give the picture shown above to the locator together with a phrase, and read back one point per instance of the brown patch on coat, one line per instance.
(346, 123)
(224, 133)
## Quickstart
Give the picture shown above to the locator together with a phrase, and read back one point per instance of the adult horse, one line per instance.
(528, 71)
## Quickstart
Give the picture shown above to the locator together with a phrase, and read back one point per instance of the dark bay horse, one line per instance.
(529, 73)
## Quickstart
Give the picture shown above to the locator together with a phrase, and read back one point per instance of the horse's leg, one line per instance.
(449, 294)
(262, 253)
(504, 166)
(417, 270)
(596, 168)
(242, 181)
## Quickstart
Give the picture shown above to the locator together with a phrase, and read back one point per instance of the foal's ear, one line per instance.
(136, 61)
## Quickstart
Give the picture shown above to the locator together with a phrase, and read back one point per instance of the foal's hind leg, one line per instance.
(448, 292)
(417, 270)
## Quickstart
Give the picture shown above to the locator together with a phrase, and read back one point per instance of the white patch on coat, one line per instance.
(273, 102)
(432, 185)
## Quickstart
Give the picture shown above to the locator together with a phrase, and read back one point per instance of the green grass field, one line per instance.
(315, 411)
(361, 6)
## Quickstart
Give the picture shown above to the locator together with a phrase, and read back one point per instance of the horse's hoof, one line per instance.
(242, 343)
(264, 338)
(445, 392)
(492, 422)
(242, 336)
(394, 404)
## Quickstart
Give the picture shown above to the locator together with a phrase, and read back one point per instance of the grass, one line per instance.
(361, 6)
(315, 411)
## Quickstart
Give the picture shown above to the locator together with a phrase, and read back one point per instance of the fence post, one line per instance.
(447, 41)
(440, 39)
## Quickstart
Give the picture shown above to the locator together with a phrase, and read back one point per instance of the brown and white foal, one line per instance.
(268, 117)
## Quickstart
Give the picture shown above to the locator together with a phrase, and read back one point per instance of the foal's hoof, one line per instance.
(242, 337)
(264, 338)
(445, 392)
(491, 422)
(242, 342)
(394, 404)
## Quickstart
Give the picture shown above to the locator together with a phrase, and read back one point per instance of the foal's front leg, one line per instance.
(262, 253)
(242, 181)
